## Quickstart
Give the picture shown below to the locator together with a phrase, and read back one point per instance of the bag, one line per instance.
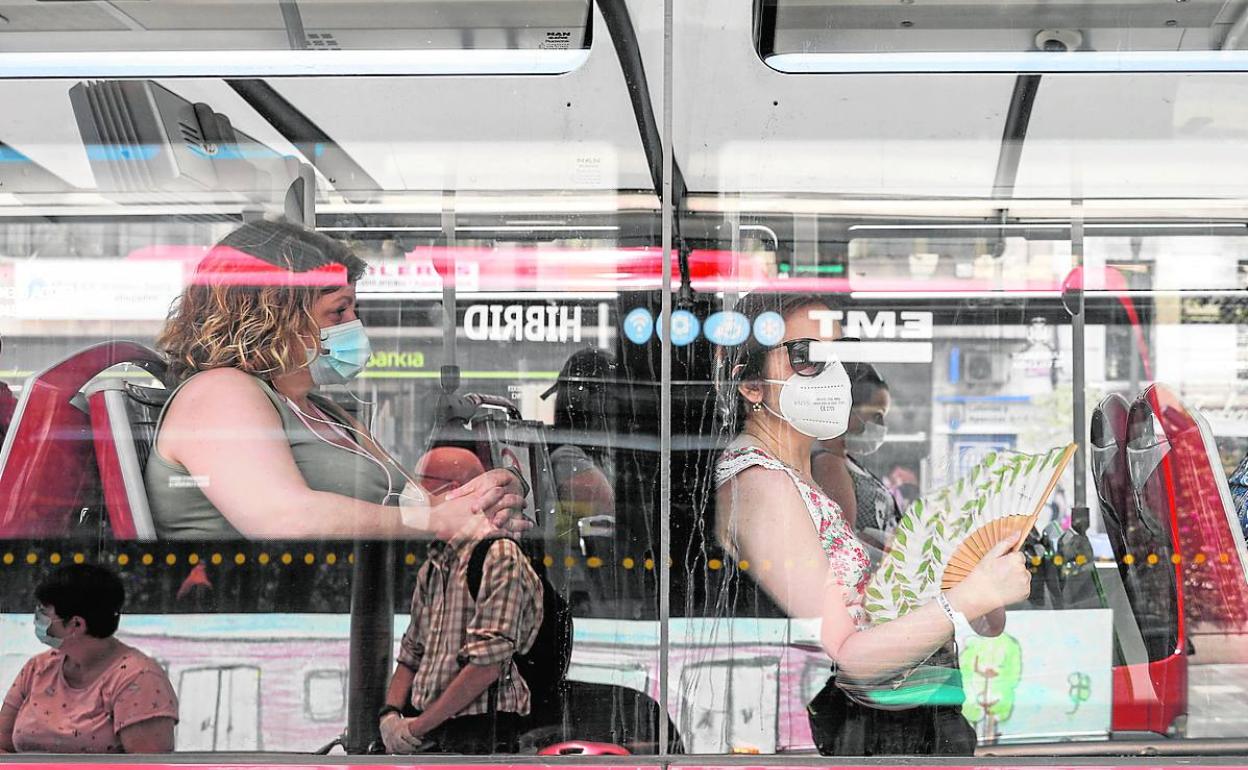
(545, 666)
(844, 727)
(924, 685)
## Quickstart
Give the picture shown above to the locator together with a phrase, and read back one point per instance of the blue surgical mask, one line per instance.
(42, 624)
(344, 354)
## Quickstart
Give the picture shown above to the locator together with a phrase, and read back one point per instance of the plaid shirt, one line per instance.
(449, 630)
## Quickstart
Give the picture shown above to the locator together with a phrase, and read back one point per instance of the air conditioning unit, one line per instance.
(141, 137)
(984, 365)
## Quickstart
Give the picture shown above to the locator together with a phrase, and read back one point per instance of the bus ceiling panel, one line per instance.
(28, 19)
(575, 132)
(18, 173)
(887, 26)
(142, 25)
(744, 128)
(474, 134)
(1138, 136)
(40, 126)
(404, 133)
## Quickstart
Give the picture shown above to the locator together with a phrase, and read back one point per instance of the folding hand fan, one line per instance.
(942, 538)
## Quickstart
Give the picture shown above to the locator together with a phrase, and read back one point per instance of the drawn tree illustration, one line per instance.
(991, 671)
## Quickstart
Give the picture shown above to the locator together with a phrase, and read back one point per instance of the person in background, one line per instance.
(455, 667)
(245, 445)
(835, 465)
(8, 405)
(581, 461)
(90, 693)
(1238, 482)
(444, 468)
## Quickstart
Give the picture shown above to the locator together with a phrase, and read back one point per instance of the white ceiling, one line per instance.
(740, 127)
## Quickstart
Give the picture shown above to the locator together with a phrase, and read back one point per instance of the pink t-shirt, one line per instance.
(54, 717)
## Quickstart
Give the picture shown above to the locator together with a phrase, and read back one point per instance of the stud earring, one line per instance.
(757, 407)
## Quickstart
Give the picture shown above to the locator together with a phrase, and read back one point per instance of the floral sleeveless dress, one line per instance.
(847, 559)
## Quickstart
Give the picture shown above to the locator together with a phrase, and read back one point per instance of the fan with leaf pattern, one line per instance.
(942, 537)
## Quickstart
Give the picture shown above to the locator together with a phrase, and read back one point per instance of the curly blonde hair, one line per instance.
(249, 305)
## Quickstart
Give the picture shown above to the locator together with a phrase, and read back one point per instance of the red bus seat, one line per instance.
(1156, 694)
(1213, 560)
(1149, 677)
(1186, 499)
(583, 749)
(123, 420)
(48, 473)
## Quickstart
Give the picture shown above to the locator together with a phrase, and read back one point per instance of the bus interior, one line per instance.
(1032, 215)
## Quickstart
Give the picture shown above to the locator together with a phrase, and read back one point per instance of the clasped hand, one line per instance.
(499, 495)
(398, 735)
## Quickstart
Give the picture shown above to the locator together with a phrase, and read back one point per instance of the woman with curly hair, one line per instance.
(244, 446)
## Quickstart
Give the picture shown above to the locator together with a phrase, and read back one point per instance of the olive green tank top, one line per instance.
(180, 509)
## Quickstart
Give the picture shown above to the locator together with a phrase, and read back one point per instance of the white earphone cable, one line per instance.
(304, 417)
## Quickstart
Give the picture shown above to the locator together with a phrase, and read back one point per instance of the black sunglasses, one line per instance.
(799, 358)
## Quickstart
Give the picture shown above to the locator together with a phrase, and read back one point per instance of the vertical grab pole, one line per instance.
(372, 582)
(668, 204)
(292, 19)
(372, 640)
(450, 368)
(1073, 299)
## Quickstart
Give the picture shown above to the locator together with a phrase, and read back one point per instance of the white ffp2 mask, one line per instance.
(816, 406)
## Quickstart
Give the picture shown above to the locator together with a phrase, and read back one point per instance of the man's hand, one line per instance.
(419, 727)
(397, 734)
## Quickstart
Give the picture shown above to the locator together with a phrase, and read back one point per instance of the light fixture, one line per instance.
(1007, 62)
(137, 65)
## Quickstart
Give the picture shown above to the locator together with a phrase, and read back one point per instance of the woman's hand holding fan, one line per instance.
(1001, 578)
(980, 543)
(1000, 516)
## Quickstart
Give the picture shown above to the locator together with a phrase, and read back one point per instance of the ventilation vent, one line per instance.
(322, 41)
(141, 137)
(191, 135)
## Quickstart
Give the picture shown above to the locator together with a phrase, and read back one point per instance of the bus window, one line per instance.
(450, 290)
(964, 308)
(386, 355)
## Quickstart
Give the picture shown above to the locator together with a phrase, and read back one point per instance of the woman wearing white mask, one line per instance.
(792, 539)
(244, 445)
(90, 693)
(837, 468)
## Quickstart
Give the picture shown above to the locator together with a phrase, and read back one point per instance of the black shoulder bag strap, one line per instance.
(476, 567)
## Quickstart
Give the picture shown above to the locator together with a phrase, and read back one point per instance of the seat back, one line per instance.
(123, 421)
(1213, 560)
(1150, 524)
(1108, 452)
(48, 473)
